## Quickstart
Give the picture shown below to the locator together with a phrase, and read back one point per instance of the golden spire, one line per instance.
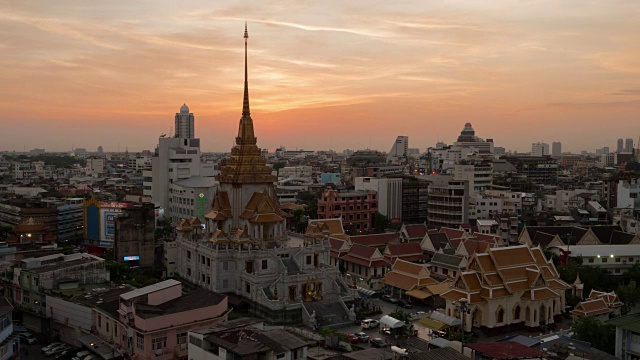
(246, 164)
(245, 130)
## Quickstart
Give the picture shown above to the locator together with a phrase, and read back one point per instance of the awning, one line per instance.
(365, 292)
(433, 324)
(449, 320)
(391, 322)
(418, 294)
(439, 342)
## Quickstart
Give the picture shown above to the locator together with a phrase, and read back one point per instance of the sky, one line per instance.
(322, 74)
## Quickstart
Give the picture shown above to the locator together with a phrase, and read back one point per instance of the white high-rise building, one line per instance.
(184, 123)
(179, 182)
(389, 194)
(556, 148)
(539, 149)
(399, 149)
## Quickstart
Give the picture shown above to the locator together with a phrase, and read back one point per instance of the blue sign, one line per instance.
(106, 244)
(131, 258)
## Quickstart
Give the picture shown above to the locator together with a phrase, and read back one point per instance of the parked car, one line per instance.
(400, 351)
(57, 350)
(404, 304)
(66, 355)
(344, 346)
(82, 354)
(27, 338)
(364, 338)
(393, 301)
(386, 298)
(370, 323)
(51, 346)
(353, 338)
(378, 343)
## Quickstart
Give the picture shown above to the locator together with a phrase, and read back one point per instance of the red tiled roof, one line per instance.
(374, 239)
(363, 262)
(361, 251)
(416, 230)
(505, 350)
(452, 233)
(404, 249)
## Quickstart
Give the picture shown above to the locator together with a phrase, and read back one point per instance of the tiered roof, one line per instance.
(507, 271)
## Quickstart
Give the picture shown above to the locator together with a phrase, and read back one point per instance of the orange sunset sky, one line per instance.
(322, 74)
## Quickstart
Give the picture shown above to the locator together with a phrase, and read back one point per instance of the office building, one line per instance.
(135, 236)
(184, 123)
(399, 150)
(556, 148)
(448, 201)
(628, 145)
(539, 149)
(357, 209)
(389, 194)
(620, 147)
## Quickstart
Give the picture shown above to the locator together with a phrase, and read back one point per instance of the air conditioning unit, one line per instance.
(158, 352)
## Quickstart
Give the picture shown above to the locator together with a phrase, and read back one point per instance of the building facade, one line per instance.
(356, 209)
(448, 201)
(184, 124)
(389, 192)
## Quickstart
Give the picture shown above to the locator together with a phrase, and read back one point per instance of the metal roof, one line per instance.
(150, 289)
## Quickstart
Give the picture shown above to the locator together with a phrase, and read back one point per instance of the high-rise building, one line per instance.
(399, 149)
(628, 145)
(556, 148)
(620, 147)
(539, 149)
(389, 194)
(448, 201)
(184, 123)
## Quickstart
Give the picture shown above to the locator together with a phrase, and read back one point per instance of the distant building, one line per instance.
(620, 147)
(539, 149)
(556, 148)
(356, 209)
(36, 151)
(389, 194)
(330, 178)
(135, 236)
(100, 150)
(184, 123)
(448, 201)
(399, 149)
(628, 145)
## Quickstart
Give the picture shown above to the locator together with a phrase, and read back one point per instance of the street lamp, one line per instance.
(463, 307)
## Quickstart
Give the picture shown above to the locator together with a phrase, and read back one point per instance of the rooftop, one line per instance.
(150, 289)
(196, 299)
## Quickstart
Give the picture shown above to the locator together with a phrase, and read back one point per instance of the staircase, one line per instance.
(329, 313)
(291, 266)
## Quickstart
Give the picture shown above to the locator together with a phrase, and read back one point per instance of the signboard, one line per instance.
(132, 258)
(202, 201)
(106, 244)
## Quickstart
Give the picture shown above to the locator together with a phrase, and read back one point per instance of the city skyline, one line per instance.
(109, 74)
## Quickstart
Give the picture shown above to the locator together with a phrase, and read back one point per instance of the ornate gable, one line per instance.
(589, 238)
(557, 241)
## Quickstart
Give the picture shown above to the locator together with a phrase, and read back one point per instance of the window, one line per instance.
(280, 356)
(195, 341)
(208, 262)
(308, 259)
(106, 324)
(516, 313)
(188, 271)
(225, 265)
(247, 288)
(500, 315)
(139, 341)
(159, 343)
(202, 258)
(617, 259)
(188, 254)
(225, 283)
(265, 264)
(181, 338)
(604, 259)
(99, 321)
(591, 260)
(202, 277)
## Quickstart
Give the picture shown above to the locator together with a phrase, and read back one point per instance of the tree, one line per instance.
(591, 330)
(5, 232)
(310, 200)
(165, 229)
(380, 222)
(299, 221)
(629, 295)
(279, 165)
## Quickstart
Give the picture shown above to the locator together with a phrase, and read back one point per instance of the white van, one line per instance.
(399, 351)
(370, 323)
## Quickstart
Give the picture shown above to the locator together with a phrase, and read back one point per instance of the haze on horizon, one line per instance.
(322, 75)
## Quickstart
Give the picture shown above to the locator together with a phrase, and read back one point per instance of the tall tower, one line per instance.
(185, 123)
(556, 148)
(628, 145)
(399, 149)
(620, 147)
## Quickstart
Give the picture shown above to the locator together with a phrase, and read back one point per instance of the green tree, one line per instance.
(165, 229)
(591, 330)
(310, 200)
(380, 222)
(299, 221)
(629, 294)
(5, 232)
(279, 165)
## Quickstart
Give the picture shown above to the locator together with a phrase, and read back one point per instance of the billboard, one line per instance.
(108, 213)
(132, 258)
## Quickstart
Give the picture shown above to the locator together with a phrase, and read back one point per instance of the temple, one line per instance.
(243, 248)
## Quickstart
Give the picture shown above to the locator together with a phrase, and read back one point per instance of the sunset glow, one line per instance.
(322, 74)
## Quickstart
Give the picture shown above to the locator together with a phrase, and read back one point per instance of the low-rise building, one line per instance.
(245, 339)
(357, 209)
(8, 342)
